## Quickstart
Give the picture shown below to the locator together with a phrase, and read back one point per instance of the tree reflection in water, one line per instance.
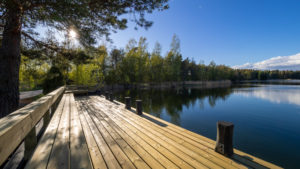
(172, 101)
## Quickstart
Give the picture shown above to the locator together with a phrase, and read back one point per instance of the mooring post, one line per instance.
(111, 97)
(139, 108)
(30, 144)
(224, 144)
(128, 103)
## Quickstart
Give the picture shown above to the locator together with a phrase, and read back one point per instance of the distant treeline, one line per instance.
(134, 64)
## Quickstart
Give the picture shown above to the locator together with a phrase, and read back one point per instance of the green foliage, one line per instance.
(85, 74)
(97, 66)
(156, 65)
(89, 72)
(53, 80)
(90, 19)
(32, 73)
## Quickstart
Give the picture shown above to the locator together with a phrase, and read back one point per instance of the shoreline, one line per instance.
(169, 85)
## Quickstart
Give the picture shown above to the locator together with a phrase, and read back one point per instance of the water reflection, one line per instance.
(173, 101)
(275, 94)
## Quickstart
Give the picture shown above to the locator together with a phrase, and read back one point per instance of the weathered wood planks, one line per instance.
(176, 146)
(92, 132)
(15, 127)
(63, 145)
(239, 158)
(42, 153)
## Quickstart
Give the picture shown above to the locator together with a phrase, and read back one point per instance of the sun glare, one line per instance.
(72, 34)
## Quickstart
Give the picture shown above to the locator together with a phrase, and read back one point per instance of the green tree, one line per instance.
(116, 56)
(135, 65)
(156, 64)
(89, 19)
(172, 64)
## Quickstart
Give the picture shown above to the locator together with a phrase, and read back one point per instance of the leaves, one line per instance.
(91, 18)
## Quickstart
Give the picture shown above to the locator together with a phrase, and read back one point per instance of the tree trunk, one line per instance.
(10, 60)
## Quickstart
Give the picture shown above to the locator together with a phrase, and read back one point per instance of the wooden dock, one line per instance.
(149, 142)
(92, 132)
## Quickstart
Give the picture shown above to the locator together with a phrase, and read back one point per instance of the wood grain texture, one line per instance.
(196, 146)
(15, 126)
(238, 157)
(60, 154)
(42, 153)
(79, 151)
(92, 132)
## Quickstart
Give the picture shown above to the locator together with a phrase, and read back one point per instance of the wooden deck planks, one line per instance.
(79, 152)
(151, 150)
(204, 151)
(131, 154)
(162, 146)
(60, 155)
(210, 144)
(154, 133)
(95, 153)
(197, 147)
(42, 153)
(116, 150)
(91, 132)
(110, 125)
(108, 156)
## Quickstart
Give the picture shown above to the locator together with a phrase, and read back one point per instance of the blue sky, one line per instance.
(230, 32)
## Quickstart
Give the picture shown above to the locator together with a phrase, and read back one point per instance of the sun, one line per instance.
(72, 33)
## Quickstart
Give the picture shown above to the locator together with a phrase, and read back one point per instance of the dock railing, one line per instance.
(20, 125)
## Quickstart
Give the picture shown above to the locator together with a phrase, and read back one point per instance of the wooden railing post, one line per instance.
(30, 144)
(111, 96)
(106, 95)
(224, 144)
(53, 108)
(46, 118)
(128, 103)
(139, 108)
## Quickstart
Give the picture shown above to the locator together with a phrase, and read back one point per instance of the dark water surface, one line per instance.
(266, 117)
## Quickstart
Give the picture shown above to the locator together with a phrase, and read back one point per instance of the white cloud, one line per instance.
(280, 62)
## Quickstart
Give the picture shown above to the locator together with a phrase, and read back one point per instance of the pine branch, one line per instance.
(51, 47)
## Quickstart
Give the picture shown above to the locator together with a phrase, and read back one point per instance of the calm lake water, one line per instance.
(266, 117)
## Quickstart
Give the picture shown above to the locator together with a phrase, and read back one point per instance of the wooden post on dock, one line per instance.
(30, 144)
(128, 103)
(224, 144)
(139, 108)
(111, 97)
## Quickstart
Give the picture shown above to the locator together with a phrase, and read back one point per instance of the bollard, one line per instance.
(106, 95)
(139, 108)
(111, 97)
(127, 103)
(224, 144)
